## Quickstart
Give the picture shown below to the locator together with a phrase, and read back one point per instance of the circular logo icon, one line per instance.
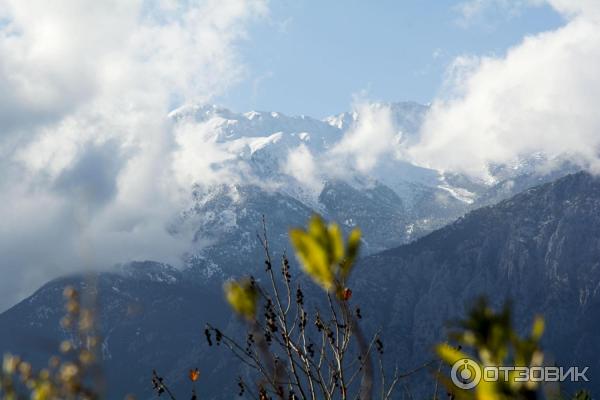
(465, 373)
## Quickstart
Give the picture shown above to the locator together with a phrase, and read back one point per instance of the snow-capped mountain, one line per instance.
(539, 248)
(262, 161)
(246, 166)
(288, 167)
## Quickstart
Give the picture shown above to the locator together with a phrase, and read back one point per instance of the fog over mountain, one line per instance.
(222, 163)
(85, 90)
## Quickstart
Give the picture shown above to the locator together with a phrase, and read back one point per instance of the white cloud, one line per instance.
(90, 163)
(301, 165)
(470, 10)
(589, 9)
(372, 136)
(198, 157)
(540, 97)
(480, 10)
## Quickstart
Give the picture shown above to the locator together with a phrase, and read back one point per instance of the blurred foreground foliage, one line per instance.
(296, 353)
(487, 338)
(71, 374)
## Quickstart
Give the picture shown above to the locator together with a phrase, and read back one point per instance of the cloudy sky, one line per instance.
(90, 165)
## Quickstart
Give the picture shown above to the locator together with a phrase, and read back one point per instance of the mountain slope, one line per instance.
(255, 173)
(394, 203)
(540, 248)
(150, 315)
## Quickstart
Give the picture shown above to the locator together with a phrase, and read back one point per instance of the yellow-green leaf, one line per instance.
(353, 242)
(337, 243)
(351, 252)
(449, 354)
(538, 328)
(43, 391)
(488, 391)
(318, 231)
(242, 297)
(313, 258)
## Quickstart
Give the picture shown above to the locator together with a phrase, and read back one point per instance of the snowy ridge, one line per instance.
(277, 164)
(262, 141)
